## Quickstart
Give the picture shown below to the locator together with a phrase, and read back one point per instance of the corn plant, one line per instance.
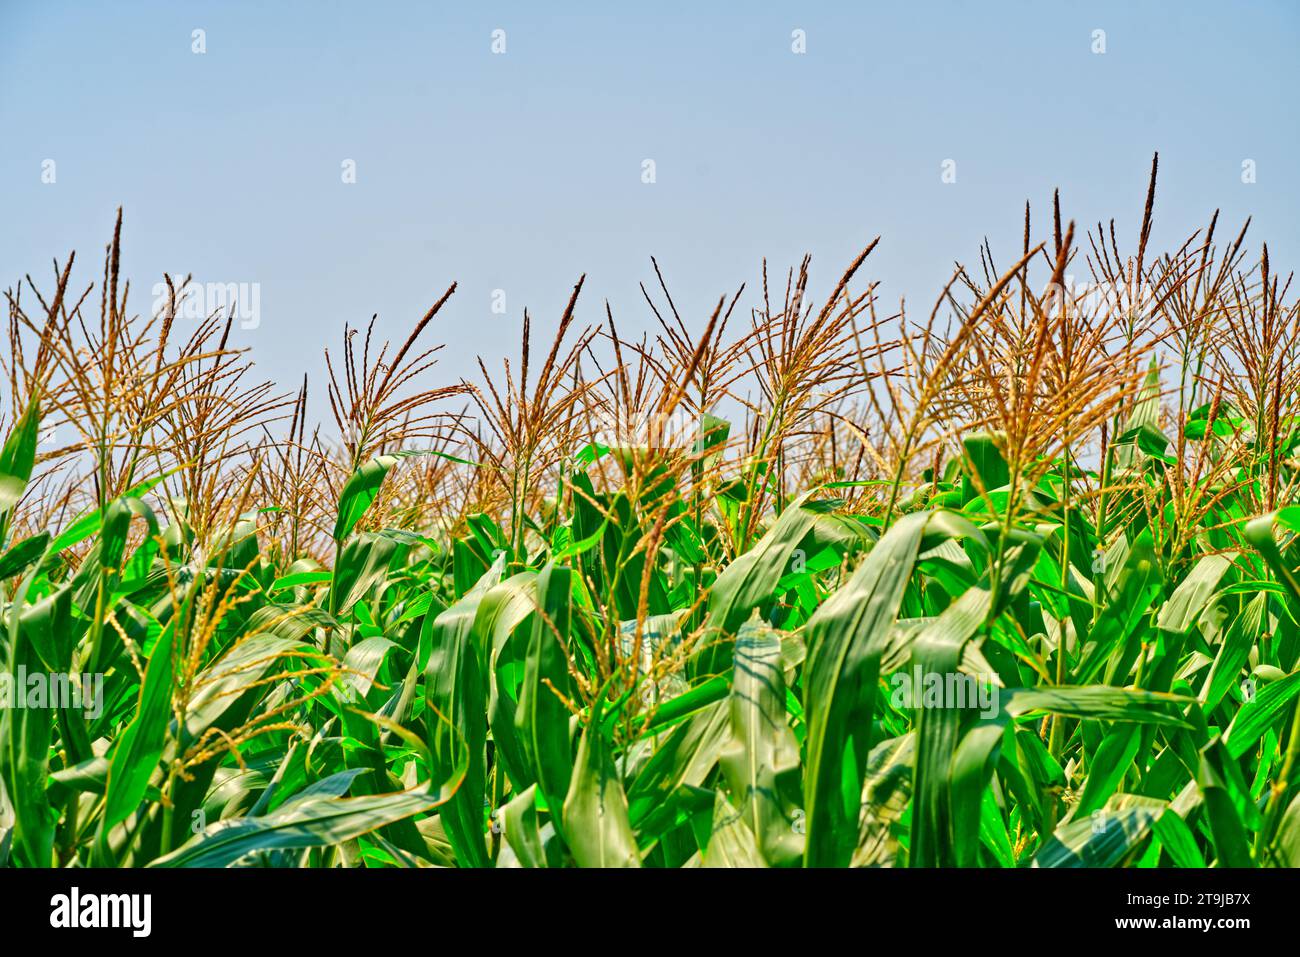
(826, 585)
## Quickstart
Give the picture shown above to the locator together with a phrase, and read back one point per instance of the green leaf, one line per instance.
(542, 718)
(1193, 594)
(360, 490)
(137, 753)
(1097, 702)
(846, 636)
(1259, 713)
(456, 689)
(23, 555)
(760, 762)
(1246, 630)
(18, 456)
(752, 577)
(1099, 841)
(596, 823)
(312, 821)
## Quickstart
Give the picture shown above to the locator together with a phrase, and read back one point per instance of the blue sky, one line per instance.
(522, 170)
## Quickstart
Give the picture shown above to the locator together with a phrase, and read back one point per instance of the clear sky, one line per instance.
(520, 170)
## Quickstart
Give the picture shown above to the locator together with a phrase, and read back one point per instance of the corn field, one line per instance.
(816, 580)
